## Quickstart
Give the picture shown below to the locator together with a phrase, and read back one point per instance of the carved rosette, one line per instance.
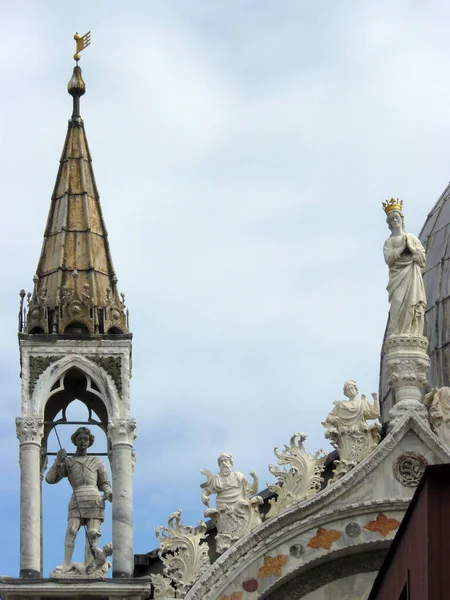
(29, 430)
(184, 554)
(409, 468)
(122, 432)
(301, 480)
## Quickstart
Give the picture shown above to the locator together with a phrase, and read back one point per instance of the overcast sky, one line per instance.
(242, 150)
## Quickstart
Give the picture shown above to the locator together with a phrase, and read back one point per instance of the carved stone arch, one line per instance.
(56, 370)
(314, 575)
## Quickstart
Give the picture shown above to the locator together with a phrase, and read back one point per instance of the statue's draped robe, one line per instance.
(405, 287)
(87, 475)
(352, 414)
(229, 490)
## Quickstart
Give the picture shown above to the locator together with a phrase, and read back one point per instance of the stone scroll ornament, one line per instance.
(405, 257)
(91, 488)
(348, 431)
(300, 481)
(184, 554)
(237, 508)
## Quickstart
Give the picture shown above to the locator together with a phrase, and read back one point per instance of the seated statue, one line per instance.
(88, 477)
(236, 512)
(348, 430)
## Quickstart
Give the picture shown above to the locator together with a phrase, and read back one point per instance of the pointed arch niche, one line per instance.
(73, 385)
(96, 374)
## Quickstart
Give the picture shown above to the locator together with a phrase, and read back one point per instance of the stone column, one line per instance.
(121, 433)
(30, 431)
(407, 364)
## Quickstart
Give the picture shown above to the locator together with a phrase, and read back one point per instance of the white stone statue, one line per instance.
(88, 477)
(236, 511)
(438, 402)
(303, 478)
(348, 430)
(405, 256)
(98, 566)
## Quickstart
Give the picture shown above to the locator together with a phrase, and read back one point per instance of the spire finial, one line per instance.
(76, 86)
(82, 41)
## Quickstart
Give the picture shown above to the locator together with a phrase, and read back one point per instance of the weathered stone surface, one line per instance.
(236, 512)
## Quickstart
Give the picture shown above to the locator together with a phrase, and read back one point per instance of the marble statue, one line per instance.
(348, 430)
(438, 402)
(236, 511)
(96, 568)
(88, 477)
(405, 256)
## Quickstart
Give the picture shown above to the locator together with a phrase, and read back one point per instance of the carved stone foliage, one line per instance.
(438, 402)
(409, 371)
(237, 508)
(122, 431)
(409, 468)
(407, 365)
(74, 305)
(348, 430)
(29, 429)
(184, 554)
(113, 366)
(301, 480)
(37, 365)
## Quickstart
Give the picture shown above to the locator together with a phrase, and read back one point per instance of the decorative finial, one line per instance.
(81, 43)
(76, 86)
(392, 204)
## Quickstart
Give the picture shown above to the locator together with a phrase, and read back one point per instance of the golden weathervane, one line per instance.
(83, 42)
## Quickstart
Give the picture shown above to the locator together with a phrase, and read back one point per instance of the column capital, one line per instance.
(122, 431)
(29, 429)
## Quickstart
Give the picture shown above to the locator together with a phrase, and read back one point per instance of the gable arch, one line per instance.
(365, 558)
(107, 391)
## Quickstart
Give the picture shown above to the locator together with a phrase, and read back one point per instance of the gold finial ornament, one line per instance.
(83, 42)
(392, 204)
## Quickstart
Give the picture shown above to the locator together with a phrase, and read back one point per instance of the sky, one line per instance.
(242, 150)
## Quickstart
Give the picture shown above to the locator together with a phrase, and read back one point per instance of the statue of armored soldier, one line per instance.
(88, 477)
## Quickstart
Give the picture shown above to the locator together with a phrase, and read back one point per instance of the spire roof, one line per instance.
(75, 286)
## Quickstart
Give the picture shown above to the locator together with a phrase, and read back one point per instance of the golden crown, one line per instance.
(392, 204)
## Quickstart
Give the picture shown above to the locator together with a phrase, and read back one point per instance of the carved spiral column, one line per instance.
(121, 433)
(30, 431)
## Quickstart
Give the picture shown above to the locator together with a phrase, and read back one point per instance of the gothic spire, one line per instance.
(75, 286)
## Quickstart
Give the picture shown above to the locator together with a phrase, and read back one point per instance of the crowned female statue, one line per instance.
(405, 256)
